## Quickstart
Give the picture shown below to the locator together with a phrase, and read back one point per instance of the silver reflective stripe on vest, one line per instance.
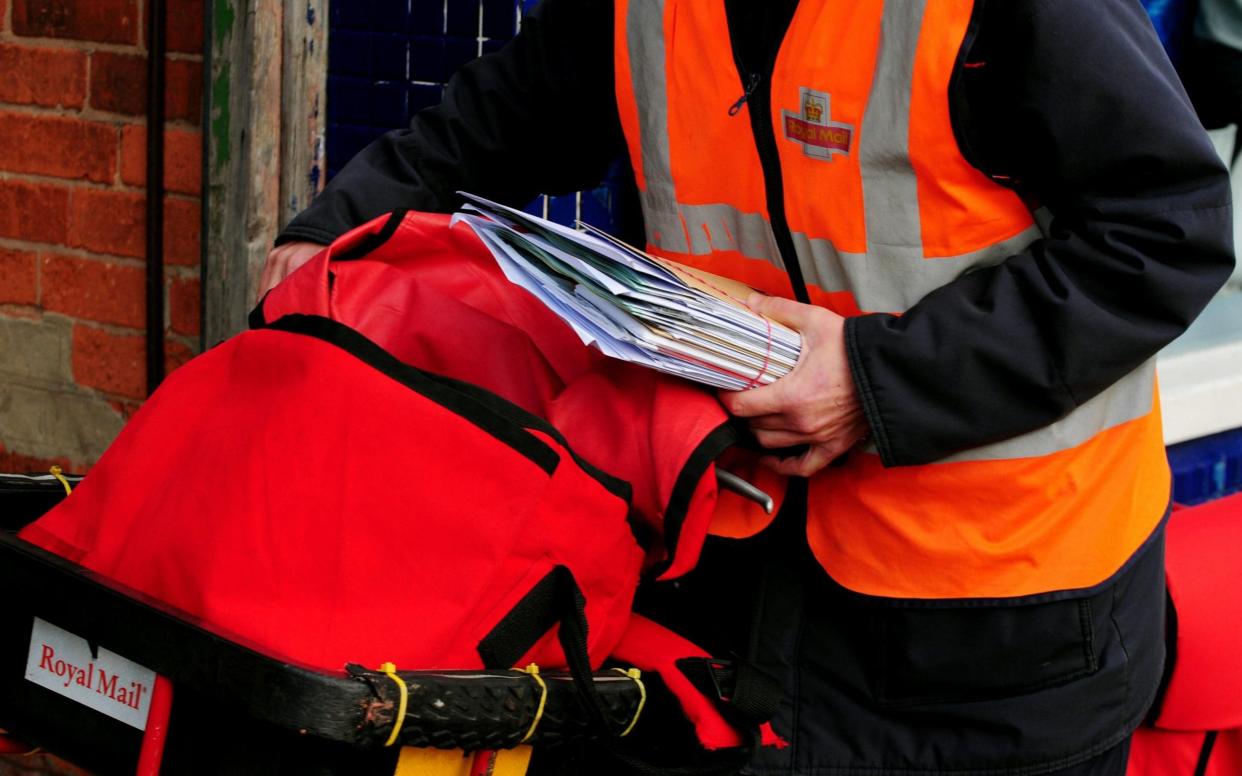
(644, 22)
(890, 187)
(1129, 398)
(672, 226)
(887, 279)
(725, 228)
(893, 279)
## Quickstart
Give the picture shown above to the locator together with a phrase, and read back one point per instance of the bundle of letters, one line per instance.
(634, 306)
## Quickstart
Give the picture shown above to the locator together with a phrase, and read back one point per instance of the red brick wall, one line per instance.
(72, 199)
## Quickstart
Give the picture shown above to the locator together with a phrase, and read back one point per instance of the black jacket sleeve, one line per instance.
(1076, 102)
(538, 116)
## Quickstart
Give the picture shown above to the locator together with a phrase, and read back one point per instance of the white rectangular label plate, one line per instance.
(107, 683)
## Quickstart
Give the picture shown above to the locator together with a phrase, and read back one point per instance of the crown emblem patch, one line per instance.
(814, 129)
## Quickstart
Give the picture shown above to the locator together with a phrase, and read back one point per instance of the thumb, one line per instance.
(793, 314)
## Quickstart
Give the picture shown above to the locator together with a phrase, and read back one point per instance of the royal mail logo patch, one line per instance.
(813, 127)
(106, 682)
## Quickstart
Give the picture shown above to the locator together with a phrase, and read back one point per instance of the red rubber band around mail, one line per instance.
(767, 355)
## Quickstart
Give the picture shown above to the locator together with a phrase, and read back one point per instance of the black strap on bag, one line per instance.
(745, 695)
(554, 600)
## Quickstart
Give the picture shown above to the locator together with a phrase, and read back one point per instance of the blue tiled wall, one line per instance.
(388, 59)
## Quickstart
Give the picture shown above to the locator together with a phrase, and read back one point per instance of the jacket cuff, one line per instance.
(297, 233)
(862, 382)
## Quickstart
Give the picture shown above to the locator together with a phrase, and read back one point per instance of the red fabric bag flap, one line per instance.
(1156, 752)
(305, 491)
(432, 294)
(659, 433)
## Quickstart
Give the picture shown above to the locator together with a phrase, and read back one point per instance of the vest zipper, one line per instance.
(758, 94)
(751, 84)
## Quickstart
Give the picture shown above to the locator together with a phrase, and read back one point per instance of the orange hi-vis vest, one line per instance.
(877, 206)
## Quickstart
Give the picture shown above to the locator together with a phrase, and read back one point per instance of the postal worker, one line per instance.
(985, 217)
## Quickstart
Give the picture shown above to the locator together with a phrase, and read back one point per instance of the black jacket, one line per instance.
(1073, 102)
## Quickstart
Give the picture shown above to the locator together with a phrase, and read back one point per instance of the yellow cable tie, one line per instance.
(59, 474)
(391, 670)
(637, 676)
(533, 670)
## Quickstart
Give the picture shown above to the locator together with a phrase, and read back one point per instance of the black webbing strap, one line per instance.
(525, 624)
(257, 319)
(1205, 754)
(555, 599)
(745, 695)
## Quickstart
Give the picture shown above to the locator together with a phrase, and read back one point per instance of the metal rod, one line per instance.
(731, 482)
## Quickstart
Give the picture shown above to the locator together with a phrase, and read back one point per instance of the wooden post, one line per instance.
(266, 97)
(303, 109)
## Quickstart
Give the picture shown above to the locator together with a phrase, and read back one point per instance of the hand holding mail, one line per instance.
(816, 404)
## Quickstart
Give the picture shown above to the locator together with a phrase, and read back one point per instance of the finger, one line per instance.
(778, 439)
(810, 462)
(279, 270)
(798, 420)
(778, 421)
(265, 282)
(793, 314)
(754, 402)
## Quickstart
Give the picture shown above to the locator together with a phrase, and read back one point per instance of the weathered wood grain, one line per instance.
(265, 139)
(303, 112)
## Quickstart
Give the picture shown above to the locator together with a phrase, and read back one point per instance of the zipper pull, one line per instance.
(752, 83)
